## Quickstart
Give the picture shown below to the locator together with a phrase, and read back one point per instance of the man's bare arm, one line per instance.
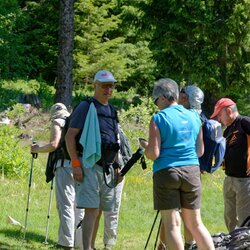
(70, 139)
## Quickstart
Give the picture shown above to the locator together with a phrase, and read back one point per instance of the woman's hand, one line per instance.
(143, 142)
(34, 148)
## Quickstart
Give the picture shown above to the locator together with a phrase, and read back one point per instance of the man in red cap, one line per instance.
(236, 188)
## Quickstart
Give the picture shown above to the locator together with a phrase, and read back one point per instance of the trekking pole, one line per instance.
(151, 229)
(34, 156)
(49, 208)
(158, 231)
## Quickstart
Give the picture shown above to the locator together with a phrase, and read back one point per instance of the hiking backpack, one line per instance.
(125, 149)
(214, 145)
(60, 153)
(238, 239)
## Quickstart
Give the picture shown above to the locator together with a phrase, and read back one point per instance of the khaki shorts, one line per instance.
(177, 187)
(93, 192)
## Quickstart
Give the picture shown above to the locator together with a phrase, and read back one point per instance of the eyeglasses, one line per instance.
(106, 86)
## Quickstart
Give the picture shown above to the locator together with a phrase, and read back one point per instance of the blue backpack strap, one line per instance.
(203, 117)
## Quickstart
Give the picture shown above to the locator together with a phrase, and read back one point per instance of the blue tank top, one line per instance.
(179, 129)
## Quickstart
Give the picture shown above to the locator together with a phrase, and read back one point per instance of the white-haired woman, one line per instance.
(175, 143)
(65, 191)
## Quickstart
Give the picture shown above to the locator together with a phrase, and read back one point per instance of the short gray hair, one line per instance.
(166, 87)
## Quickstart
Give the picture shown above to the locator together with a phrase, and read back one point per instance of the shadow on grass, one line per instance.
(15, 240)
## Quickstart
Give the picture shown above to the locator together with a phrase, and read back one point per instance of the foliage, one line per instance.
(45, 93)
(201, 42)
(196, 42)
(28, 45)
(15, 112)
(11, 92)
(94, 47)
(13, 158)
(101, 42)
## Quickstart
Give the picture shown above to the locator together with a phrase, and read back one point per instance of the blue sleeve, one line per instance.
(78, 116)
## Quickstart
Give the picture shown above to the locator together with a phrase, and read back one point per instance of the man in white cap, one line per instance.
(236, 187)
(92, 193)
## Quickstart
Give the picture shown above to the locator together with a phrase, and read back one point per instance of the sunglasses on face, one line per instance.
(156, 99)
(106, 86)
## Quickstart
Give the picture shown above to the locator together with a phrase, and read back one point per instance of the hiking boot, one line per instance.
(161, 246)
(189, 246)
(63, 247)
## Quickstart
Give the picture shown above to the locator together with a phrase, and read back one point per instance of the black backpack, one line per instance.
(238, 239)
(60, 153)
(53, 157)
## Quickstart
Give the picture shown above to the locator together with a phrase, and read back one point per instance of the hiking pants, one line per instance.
(65, 202)
(111, 218)
(236, 193)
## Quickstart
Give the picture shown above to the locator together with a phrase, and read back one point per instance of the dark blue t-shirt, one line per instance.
(106, 118)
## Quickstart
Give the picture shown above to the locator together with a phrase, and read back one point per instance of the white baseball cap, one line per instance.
(104, 76)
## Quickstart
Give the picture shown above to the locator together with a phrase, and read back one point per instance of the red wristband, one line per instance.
(76, 163)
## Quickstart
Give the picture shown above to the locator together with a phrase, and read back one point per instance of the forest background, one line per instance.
(206, 43)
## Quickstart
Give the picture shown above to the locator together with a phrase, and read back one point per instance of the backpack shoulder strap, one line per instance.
(203, 117)
(114, 111)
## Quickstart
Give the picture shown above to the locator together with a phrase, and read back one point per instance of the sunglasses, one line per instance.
(156, 99)
(106, 86)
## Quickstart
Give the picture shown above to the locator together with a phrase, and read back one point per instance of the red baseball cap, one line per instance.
(222, 103)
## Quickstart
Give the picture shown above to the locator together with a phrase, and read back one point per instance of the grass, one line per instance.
(136, 214)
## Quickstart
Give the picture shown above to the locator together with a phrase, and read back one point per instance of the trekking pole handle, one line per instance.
(34, 155)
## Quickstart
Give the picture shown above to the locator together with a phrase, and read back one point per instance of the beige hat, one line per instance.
(58, 110)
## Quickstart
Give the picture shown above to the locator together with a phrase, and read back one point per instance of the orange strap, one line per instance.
(76, 163)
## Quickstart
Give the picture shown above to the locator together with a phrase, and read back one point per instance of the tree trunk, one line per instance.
(65, 57)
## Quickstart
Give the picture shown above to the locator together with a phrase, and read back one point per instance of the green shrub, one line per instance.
(14, 159)
(16, 111)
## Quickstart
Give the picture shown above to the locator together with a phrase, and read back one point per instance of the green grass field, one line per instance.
(136, 214)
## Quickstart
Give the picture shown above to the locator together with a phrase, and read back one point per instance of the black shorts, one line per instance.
(177, 187)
